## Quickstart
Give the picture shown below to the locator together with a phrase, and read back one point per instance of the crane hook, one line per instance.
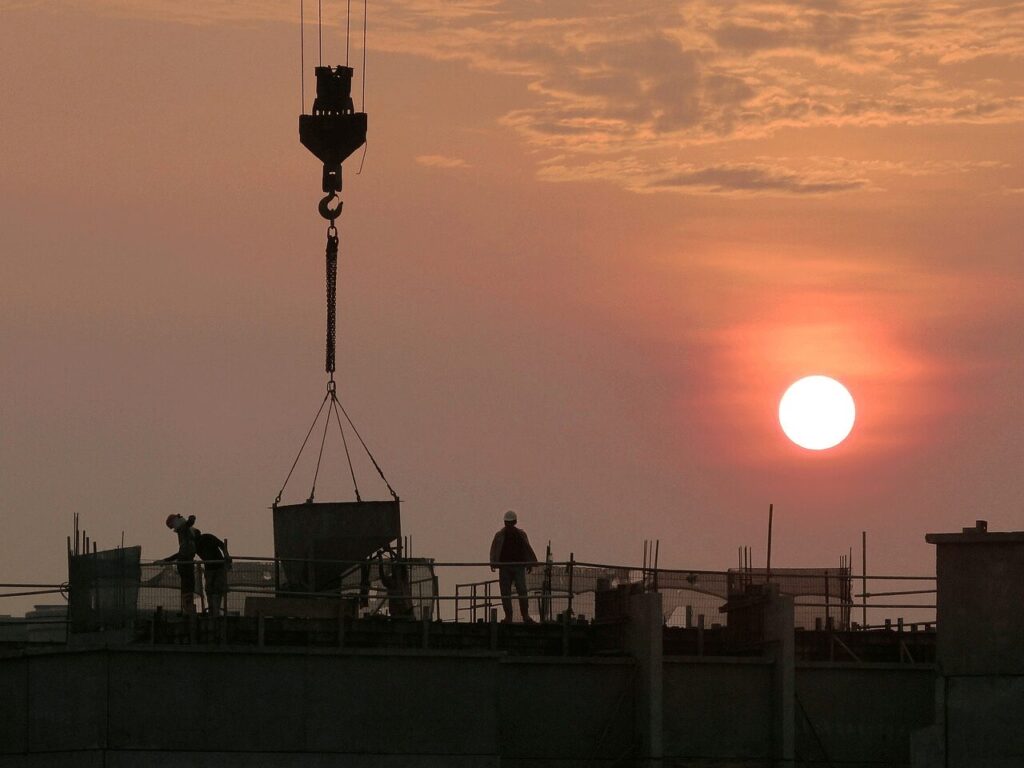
(326, 211)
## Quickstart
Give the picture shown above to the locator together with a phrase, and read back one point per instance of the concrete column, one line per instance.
(644, 643)
(781, 646)
(980, 591)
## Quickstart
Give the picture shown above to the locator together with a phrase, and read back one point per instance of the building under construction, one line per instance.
(312, 667)
(345, 649)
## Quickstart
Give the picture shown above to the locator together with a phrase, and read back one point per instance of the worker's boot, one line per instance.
(524, 608)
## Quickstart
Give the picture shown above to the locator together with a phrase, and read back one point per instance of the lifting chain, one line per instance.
(332, 283)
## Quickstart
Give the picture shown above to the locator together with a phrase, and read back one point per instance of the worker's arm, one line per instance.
(531, 555)
(180, 554)
(496, 548)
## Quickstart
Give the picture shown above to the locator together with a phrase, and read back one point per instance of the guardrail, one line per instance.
(461, 591)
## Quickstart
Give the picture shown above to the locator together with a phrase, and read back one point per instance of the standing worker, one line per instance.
(183, 557)
(511, 545)
(217, 563)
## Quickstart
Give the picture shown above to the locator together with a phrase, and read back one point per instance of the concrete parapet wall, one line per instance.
(718, 707)
(984, 715)
(181, 706)
(560, 709)
(189, 706)
(862, 714)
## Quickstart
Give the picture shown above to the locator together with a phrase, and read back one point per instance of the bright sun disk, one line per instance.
(817, 412)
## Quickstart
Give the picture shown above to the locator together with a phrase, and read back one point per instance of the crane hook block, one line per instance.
(334, 130)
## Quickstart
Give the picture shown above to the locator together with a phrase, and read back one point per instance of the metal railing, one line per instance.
(424, 589)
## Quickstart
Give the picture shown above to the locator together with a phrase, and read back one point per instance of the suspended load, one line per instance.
(318, 542)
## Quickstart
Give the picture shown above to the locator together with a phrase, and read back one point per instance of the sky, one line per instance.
(590, 246)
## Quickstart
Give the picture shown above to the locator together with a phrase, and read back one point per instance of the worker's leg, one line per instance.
(187, 574)
(215, 601)
(505, 586)
(216, 588)
(524, 602)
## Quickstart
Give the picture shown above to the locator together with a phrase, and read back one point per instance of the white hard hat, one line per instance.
(510, 517)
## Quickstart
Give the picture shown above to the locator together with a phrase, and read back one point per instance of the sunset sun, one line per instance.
(817, 413)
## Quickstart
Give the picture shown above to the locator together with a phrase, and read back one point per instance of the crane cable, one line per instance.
(331, 268)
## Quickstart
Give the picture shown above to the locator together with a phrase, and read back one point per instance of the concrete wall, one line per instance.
(861, 714)
(567, 710)
(980, 593)
(191, 706)
(718, 708)
(985, 716)
(980, 582)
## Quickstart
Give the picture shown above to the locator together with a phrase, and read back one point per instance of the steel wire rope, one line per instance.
(348, 28)
(362, 80)
(344, 442)
(316, 473)
(320, 31)
(302, 56)
(302, 448)
(368, 453)
(363, 99)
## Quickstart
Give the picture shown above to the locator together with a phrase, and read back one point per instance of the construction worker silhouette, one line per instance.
(511, 545)
(183, 557)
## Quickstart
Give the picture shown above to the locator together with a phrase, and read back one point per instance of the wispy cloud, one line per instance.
(762, 175)
(646, 78)
(441, 161)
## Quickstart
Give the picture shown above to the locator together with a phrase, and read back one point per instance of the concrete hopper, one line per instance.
(324, 531)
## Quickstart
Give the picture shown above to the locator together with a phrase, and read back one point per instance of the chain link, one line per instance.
(332, 282)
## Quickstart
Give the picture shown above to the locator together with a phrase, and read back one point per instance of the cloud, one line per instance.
(753, 179)
(441, 161)
(646, 78)
(715, 179)
(761, 176)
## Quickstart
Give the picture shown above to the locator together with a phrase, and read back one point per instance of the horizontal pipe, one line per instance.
(851, 605)
(33, 592)
(833, 573)
(31, 586)
(23, 622)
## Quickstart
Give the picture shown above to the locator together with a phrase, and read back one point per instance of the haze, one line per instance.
(591, 245)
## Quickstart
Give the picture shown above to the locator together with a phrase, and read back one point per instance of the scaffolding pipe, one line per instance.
(864, 577)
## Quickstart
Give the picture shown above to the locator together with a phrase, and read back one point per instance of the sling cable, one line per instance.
(332, 131)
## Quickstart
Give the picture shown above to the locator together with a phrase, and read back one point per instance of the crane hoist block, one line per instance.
(334, 130)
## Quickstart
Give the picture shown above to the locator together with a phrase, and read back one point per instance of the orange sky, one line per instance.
(591, 246)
